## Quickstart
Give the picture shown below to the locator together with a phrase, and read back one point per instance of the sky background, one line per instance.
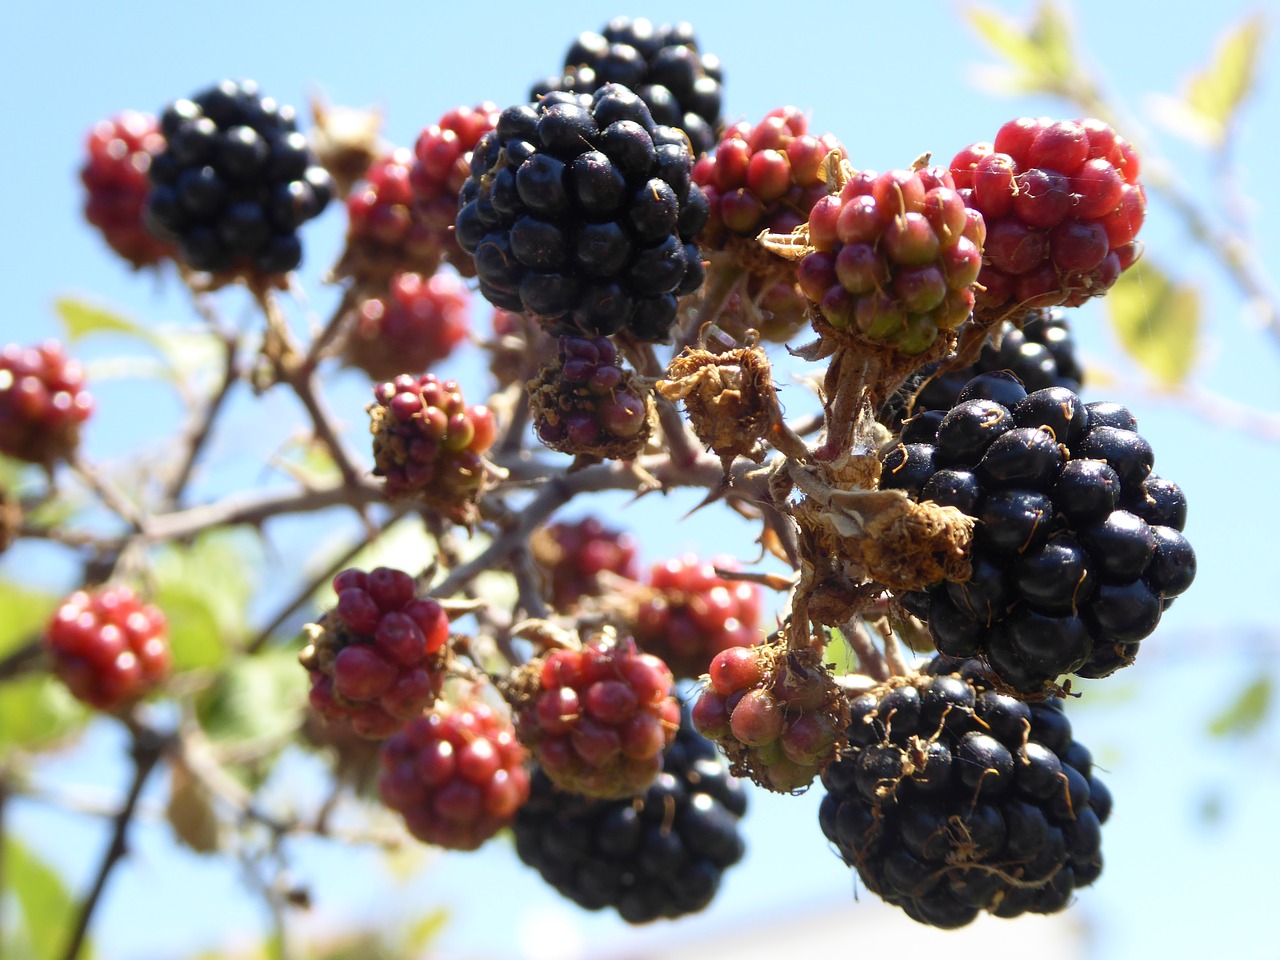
(890, 86)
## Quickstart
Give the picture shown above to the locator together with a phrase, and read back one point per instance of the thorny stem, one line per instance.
(148, 748)
(108, 493)
(680, 441)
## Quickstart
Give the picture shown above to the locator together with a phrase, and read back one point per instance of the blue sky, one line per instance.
(890, 84)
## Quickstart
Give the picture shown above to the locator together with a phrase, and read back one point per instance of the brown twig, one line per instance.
(148, 748)
(202, 426)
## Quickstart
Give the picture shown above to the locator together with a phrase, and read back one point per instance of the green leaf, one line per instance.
(1041, 55)
(255, 698)
(1050, 33)
(43, 901)
(26, 612)
(1003, 35)
(1157, 321)
(840, 654)
(1246, 714)
(204, 589)
(1215, 92)
(35, 711)
(420, 935)
(81, 318)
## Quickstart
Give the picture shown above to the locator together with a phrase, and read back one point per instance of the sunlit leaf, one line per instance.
(1041, 56)
(1051, 35)
(195, 636)
(1247, 712)
(209, 583)
(1003, 35)
(80, 318)
(418, 938)
(35, 711)
(1215, 92)
(840, 654)
(1157, 321)
(25, 614)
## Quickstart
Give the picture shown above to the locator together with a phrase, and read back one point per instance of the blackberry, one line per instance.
(1078, 548)
(429, 445)
(894, 257)
(953, 799)
(385, 234)
(1063, 206)
(691, 613)
(456, 774)
(377, 658)
(108, 646)
(416, 323)
(586, 404)
(597, 718)
(118, 155)
(234, 181)
(575, 554)
(776, 713)
(579, 210)
(681, 86)
(43, 402)
(660, 854)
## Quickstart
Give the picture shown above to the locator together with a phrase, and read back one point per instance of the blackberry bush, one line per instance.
(235, 181)
(953, 799)
(659, 854)
(580, 210)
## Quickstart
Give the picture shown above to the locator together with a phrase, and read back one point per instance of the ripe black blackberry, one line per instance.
(1041, 353)
(952, 799)
(682, 87)
(1078, 549)
(661, 854)
(235, 181)
(580, 211)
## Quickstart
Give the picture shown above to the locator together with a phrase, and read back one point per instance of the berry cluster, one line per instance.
(580, 210)
(1062, 204)
(776, 713)
(376, 659)
(575, 554)
(384, 234)
(691, 614)
(235, 181)
(43, 402)
(416, 324)
(586, 404)
(456, 774)
(108, 647)
(895, 256)
(681, 86)
(953, 799)
(1077, 549)
(428, 444)
(442, 162)
(599, 717)
(116, 185)
(659, 854)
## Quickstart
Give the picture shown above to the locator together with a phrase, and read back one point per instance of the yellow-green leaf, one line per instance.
(1157, 321)
(1003, 35)
(44, 905)
(1041, 55)
(81, 318)
(1247, 712)
(1215, 92)
(1050, 34)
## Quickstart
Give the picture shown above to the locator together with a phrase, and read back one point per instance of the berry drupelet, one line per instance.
(108, 646)
(953, 799)
(1078, 547)
(580, 211)
(235, 181)
(118, 156)
(377, 658)
(681, 86)
(659, 854)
